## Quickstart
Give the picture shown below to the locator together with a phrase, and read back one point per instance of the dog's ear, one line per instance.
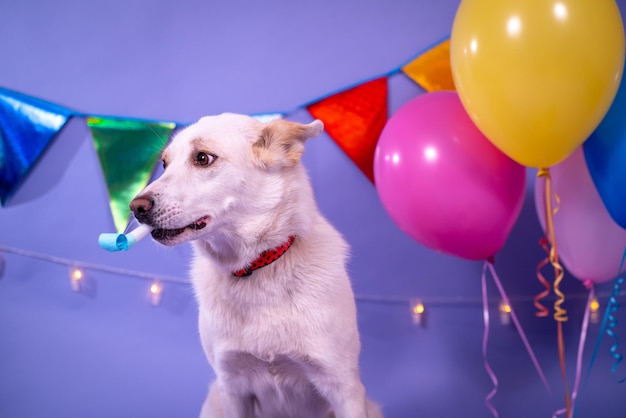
(282, 142)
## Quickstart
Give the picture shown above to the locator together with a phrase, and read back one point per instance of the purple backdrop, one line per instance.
(109, 353)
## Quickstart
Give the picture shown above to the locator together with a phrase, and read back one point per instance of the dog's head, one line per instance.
(228, 175)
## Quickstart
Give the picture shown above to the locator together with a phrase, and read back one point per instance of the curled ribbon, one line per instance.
(560, 314)
(612, 323)
(490, 372)
(581, 346)
(543, 311)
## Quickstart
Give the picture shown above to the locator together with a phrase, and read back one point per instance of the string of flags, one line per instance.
(129, 148)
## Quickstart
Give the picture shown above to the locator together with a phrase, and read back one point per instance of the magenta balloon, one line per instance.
(590, 243)
(443, 183)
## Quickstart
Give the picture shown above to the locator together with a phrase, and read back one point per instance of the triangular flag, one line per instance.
(432, 70)
(27, 126)
(354, 119)
(128, 151)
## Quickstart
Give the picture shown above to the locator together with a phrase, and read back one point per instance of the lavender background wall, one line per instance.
(111, 354)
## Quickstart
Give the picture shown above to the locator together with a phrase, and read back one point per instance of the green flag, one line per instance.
(128, 151)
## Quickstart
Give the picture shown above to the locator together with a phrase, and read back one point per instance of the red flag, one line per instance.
(354, 119)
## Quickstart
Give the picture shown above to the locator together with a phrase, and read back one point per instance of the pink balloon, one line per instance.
(443, 183)
(590, 243)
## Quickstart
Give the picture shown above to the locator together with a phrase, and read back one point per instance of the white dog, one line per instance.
(277, 313)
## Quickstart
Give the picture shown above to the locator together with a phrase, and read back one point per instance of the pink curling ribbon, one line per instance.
(490, 372)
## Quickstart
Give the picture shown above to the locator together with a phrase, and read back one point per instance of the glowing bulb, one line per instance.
(514, 26)
(155, 288)
(418, 312)
(594, 308)
(505, 313)
(76, 277)
(156, 291)
(418, 309)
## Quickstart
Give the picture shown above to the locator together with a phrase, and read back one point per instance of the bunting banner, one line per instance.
(432, 70)
(129, 148)
(354, 119)
(128, 151)
(27, 126)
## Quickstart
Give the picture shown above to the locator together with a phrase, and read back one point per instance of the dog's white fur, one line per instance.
(283, 342)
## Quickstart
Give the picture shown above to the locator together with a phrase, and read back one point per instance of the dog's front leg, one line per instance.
(346, 395)
(349, 401)
(234, 404)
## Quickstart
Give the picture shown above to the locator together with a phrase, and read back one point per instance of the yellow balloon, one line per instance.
(537, 76)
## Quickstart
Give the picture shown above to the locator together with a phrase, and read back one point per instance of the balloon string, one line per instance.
(608, 316)
(490, 372)
(519, 328)
(581, 348)
(560, 314)
(543, 311)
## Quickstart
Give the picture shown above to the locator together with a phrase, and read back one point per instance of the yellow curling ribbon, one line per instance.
(560, 314)
(542, 311)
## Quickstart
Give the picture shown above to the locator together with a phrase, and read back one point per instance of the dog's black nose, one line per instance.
(141, 206)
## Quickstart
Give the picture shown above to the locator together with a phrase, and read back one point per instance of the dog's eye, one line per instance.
(203, 158)
(164, 164)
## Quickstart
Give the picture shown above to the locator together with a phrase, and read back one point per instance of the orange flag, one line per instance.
(354, 119)
(432, 69)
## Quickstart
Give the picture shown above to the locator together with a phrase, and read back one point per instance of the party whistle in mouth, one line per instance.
(123, 242)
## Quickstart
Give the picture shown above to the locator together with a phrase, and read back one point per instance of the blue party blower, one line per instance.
(123, 242)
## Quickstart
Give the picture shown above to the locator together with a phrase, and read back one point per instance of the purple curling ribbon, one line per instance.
(519, 328)
(490, 372)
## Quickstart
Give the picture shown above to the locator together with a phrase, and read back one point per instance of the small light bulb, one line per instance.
(156, 291)
(418, 309)
(505, 313)
(418, 312)
(76, 277)
(594, 308)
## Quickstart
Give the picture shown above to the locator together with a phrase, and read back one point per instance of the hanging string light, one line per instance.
(418, 312)
(76, 278)
(505, 313)
(156, 291)
(594, 309)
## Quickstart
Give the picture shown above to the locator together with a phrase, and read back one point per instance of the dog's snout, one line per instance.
(142, 205)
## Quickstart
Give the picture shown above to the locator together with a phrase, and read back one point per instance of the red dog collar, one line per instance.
(266, 257)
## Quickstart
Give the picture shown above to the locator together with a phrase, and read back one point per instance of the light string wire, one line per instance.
(456, 301)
